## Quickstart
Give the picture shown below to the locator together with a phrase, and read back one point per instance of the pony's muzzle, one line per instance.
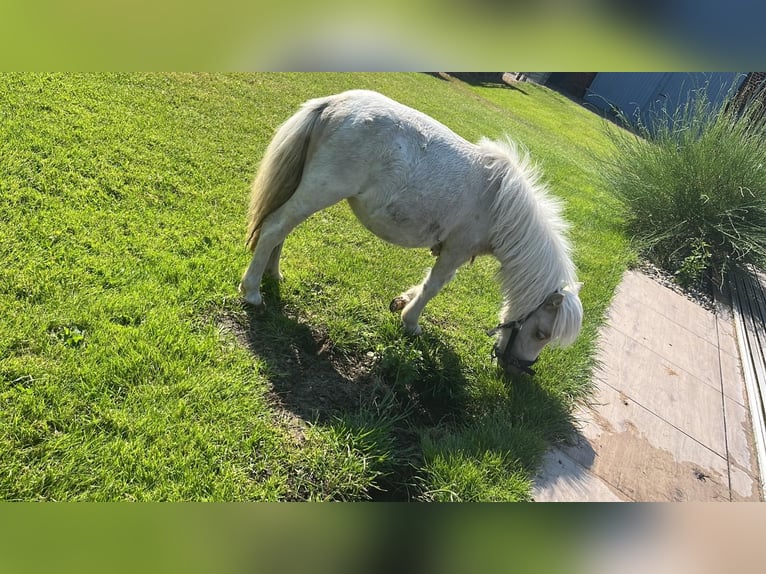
(518, 367)
(511, 365)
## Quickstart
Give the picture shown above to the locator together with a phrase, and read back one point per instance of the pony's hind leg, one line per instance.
(309, 198)
(272, 266)
(267, 251)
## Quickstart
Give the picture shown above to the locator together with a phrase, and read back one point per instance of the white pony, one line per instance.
(413, 182)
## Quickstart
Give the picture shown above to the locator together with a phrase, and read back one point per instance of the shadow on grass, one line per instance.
(385, 394)
(482, 79)
(394, 395)
(319, 382)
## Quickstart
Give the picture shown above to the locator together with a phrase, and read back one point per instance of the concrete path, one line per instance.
(669, 419)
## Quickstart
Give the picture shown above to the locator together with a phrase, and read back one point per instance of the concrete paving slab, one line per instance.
(691, 352)
(727, 337)
(739, 437)
(669, 419)
(744, 488)
(651, 295)
(663, 388)
(732, 378)
(561, 479)
(643, 456)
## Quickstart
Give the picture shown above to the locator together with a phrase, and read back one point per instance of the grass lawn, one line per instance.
(129, 368)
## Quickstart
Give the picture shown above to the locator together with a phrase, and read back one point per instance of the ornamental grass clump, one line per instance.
(693, 184)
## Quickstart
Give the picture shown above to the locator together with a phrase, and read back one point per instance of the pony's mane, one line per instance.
(529, 238)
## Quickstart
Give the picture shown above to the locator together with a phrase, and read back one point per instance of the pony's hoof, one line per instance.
(415, 330)
(253, 300)
(398, 303)
(254, 307)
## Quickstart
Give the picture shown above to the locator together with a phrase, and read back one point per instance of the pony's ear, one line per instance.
(554, 300)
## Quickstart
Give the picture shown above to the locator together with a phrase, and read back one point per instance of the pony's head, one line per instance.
(556, 321)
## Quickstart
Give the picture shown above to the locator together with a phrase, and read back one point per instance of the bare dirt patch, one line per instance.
(309, 376)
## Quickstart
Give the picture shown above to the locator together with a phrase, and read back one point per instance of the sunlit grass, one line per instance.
(129, 370)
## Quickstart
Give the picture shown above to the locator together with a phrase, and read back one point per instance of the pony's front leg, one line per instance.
(414, 300)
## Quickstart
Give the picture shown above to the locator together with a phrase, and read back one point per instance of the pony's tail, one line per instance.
(281, 168)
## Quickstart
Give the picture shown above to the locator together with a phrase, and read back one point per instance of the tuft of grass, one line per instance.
(692, 181)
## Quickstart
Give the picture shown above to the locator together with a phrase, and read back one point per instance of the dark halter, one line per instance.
(505, 357)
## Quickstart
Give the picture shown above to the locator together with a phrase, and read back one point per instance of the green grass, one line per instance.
(129, 369)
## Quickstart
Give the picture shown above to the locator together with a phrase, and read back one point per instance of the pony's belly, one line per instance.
(398, 224)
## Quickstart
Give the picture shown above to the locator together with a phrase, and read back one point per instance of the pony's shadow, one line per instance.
(529, 423)
(412, 387)
(320, 382)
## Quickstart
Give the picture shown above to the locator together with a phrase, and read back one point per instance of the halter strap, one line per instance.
(517, 323)
(507, 359)
(505, 356)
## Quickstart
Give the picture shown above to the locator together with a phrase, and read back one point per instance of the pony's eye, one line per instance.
(541, 336)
